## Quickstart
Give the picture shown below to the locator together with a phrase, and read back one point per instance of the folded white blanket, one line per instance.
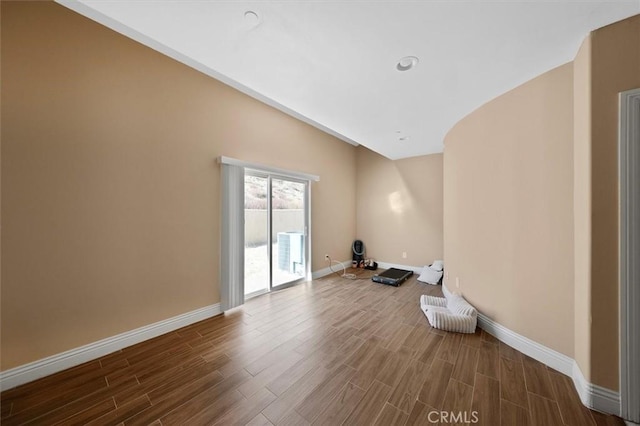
(451, 314)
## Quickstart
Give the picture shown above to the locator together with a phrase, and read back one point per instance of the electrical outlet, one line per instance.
(457, 282)
(326, 257)
(404, 254)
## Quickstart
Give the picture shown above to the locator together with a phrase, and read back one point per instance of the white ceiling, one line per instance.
(333, 63)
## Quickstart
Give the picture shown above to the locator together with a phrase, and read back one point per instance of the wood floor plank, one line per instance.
(345, 351)
(606, 420)
(406, 391)
(488, 360)
(536, 377)
(317, 400)
(420, 415)
(185, 401)
(289, 377)
(246, 409)
(393, 370)
(208, 414)
(86, 415)
(508, 352)
(512, 385)
(571, 409)
(371, 367)
(473, 339)
(434, 388)
(81, 372)
(450, 347)
(371, 404)
(122, 413)
(58, 395)
(512, 414)
(391, 416)
(259, 420)
(544, 412)
(397, 339)
(465, 367)
(429, 349)
(457, 400)
(295, 394)
(486, 400)
(341, 406)
(489, 338)
(5, 409)
(362, 353)
(292, 418)
(264, 377)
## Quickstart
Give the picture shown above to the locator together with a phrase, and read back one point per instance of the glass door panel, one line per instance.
(288, 254)
(256, 234)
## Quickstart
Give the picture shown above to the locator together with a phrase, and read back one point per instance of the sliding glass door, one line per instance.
(276, 238)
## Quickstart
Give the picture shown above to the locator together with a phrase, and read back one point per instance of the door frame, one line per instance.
(307, 234)
(629, 267)
(271, 174)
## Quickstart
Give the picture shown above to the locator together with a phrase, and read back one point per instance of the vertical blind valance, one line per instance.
(275, 170)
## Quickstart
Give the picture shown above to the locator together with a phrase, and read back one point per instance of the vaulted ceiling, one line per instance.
(335, 64)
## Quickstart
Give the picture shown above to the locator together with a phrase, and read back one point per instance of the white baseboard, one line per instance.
(347, 264)
(593, 396)
(535, 350)
(55, 363)
(326, 271)
(415, 269)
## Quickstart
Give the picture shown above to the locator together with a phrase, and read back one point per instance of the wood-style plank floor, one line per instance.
(330, 352)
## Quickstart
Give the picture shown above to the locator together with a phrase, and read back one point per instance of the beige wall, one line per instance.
(508, 209)
(615, 67)
(110, 189)
(582, 205)
(399, 207)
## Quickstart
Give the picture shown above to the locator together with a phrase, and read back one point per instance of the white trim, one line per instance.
(592, 396)
(55, 363)
(381, 265)
(629, 175)
(109, 22)
(327, 271)
(385, 265)
(535, 350)
(268, 169)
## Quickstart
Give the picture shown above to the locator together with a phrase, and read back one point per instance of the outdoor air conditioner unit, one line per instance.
(290, 251)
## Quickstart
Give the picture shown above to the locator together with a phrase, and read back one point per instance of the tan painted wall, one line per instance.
(615, 67)
(399, 207)
(508, 209)
(110, 189)
(582, 205)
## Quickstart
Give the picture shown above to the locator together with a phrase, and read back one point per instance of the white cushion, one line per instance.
(437, 265)
(430, 276)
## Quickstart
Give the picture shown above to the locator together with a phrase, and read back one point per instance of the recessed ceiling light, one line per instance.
(406, 63)
(251, 17)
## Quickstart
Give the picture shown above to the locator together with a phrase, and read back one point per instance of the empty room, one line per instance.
(320, 212)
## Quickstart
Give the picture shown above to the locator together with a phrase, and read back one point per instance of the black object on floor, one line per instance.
(392, 276)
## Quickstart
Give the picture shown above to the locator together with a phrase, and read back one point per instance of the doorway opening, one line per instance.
(276, 246)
